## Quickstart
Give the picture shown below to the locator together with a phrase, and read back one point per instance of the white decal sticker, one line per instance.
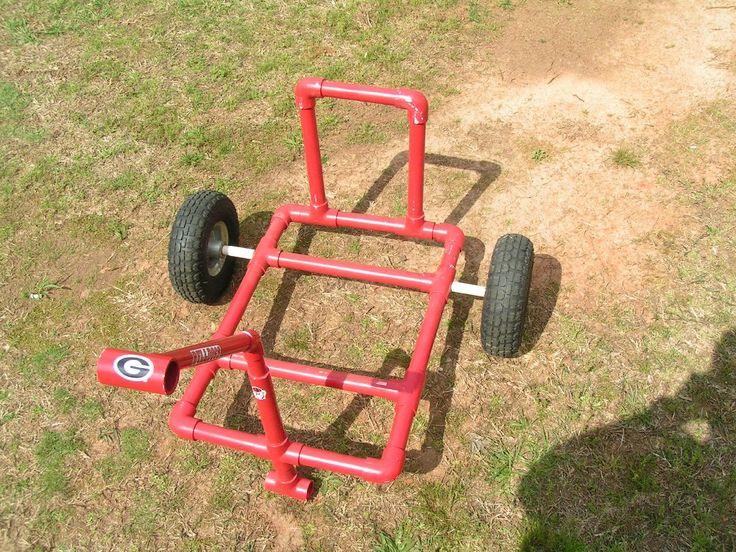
(205, 353)
(133, 367)
(259, 394)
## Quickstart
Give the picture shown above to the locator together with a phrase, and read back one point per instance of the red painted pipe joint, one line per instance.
(414, 102)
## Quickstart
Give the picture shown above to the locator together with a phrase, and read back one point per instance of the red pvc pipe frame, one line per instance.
(243, 351)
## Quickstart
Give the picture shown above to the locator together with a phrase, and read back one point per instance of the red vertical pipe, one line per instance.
(276, 440)
(313, 159)
(284, 477)
(415, 209)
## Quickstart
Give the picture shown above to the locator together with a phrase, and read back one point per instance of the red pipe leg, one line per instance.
(283, 478)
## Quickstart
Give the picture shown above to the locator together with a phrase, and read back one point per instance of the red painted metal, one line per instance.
(159, 373)
(355, 383)
(245, 353)
(152, 373)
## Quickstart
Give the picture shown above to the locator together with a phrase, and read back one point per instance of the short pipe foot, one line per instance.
(300, 488)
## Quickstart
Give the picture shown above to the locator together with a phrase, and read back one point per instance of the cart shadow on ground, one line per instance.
(439, 386)
(663, 478)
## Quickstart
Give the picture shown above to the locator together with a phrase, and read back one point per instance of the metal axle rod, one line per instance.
(457, 287)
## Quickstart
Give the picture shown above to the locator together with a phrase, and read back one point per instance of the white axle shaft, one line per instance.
(456, 287)
(239, 252)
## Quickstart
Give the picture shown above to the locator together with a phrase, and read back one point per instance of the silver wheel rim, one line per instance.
(215, 259)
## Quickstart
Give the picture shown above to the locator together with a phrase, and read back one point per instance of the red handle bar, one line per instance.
(412, 101)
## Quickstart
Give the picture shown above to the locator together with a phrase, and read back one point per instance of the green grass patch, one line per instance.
(135, 449)
(367, 133)
(623, 157)
(500, 465)
(400, 540)
(548, 537)
(129, 179)
(223, 495)
(539, 155)
(299, 340)
(51, 453)
(100, 227)
(13, 124)
(441, 517)
(64, 400)
(91, 409)
(45, 360)
(41, 289)
(19, 30)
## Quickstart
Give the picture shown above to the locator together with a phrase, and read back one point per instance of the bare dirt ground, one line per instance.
(579, 88)
(585, 85)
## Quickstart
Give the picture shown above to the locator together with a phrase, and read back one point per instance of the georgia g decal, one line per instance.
(133, 367)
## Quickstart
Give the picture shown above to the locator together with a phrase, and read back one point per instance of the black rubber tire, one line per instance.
(190, 234)
(507, 295)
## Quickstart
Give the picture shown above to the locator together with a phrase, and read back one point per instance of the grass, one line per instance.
(623, 157)
(134, 449)
(41, 289)
(539, 155)
(547, 538)
(657, 466)
(299, 340)
(400, 541)
(52, 452)
(367, 133)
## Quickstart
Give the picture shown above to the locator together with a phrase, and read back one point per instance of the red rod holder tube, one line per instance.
(159, 373)
(150, 373)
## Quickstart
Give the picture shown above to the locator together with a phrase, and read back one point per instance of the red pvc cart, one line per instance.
(202, 249)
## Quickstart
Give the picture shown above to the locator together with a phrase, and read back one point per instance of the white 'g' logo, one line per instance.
(133, 367)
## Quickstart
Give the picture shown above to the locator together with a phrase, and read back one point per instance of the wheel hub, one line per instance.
(218, 237)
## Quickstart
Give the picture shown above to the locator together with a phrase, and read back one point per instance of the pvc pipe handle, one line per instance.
(413, 101)
(151, 373)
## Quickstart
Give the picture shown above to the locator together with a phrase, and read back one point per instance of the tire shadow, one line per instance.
(543, 293)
